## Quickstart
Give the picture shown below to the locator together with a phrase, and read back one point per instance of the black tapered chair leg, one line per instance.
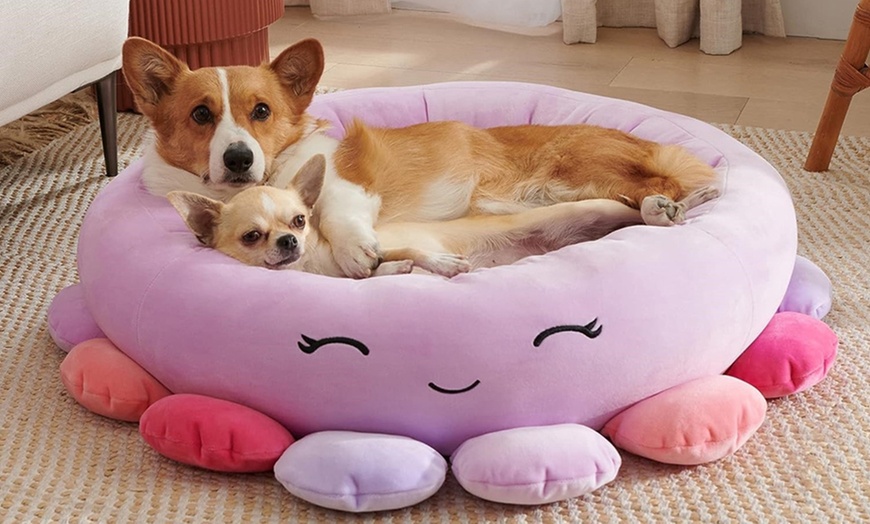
(107, 96)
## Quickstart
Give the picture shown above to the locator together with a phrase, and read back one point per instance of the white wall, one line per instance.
(818, 18)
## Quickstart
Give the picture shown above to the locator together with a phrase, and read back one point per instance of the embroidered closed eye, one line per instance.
(590, 330)
(310, 345)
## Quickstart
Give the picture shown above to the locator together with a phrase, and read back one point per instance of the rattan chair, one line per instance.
(851, 76)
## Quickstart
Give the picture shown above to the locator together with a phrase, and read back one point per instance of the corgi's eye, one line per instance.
(201, 115)
(251, 236)
(261, 112)
(299, 221)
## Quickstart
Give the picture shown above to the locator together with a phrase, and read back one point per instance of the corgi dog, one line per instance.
(220, 130)
(275, 228)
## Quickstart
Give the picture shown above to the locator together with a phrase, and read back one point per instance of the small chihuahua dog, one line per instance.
(277, 229)
(273, 228)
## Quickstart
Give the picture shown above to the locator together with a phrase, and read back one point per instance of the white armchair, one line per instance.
(53, 47)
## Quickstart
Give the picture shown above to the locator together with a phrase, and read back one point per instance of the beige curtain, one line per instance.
(719, 23)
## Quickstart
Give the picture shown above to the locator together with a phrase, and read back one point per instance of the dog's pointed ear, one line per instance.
(309, 179)
(299, 67)
(150, 71)
(199, 213)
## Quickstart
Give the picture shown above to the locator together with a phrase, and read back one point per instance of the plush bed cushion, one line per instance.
(674, 304)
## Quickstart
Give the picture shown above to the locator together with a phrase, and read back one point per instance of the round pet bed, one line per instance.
(575, 336)
(673, 304)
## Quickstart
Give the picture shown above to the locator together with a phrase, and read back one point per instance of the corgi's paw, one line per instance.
(699, 196)
(446, 264)
(401, 267)
(659, 210)
(357, 259)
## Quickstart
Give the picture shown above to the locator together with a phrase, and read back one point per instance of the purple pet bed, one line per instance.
(572, 337)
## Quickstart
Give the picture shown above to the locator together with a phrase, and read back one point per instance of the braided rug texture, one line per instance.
(809, 462)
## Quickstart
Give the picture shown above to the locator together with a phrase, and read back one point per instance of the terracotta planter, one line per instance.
(204, 32)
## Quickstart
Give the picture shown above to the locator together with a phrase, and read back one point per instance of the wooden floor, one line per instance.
(778, 83)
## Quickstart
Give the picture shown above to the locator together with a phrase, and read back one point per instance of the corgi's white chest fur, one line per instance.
(288, 163)
(159, 178)
(338, 195)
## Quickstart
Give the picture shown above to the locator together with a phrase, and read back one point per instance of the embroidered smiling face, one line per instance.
(438, 389)
(309, 346)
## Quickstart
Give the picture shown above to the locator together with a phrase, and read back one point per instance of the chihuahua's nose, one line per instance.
(238, 157)
(287, 242)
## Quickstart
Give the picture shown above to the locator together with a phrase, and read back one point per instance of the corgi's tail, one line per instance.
(678, 164)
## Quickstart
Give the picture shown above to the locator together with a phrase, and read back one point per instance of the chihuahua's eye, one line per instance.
(251, 236)
(299, 221)
(201, 115)
(261, 112)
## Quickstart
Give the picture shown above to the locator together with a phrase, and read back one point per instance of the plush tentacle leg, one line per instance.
(357, 472)
(794, 352)
(69, 320)
(535, 465)
(694, 423)
(106, 381)
(809, 290)
(214, 434)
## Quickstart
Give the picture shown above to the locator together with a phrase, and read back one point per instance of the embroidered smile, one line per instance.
(439, 389)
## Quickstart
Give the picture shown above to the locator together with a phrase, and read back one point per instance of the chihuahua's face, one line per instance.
(223, 124)
(260, 226)
(263, 226)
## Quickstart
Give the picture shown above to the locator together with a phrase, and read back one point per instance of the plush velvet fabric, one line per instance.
(697, 422)
(213, 434)
(69, 319)
(674, 304)
(794, 353)
(361, 471)
(809, 290)
(535, 465)
(108, 382)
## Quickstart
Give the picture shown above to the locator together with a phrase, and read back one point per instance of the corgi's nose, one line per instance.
(287, 242)
(238, 157)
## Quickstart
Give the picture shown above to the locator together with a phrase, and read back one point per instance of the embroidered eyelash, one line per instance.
(310, 345)
(590, 330)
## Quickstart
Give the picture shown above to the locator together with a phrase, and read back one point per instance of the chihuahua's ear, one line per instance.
(199, 213)
(150, 71)
(299, 68)
(309, 179)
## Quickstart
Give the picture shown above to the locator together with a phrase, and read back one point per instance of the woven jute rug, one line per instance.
(37, 129)
(809, 462)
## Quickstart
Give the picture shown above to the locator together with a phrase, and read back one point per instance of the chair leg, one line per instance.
(850, 77)
(827, 132)
(107, 96)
